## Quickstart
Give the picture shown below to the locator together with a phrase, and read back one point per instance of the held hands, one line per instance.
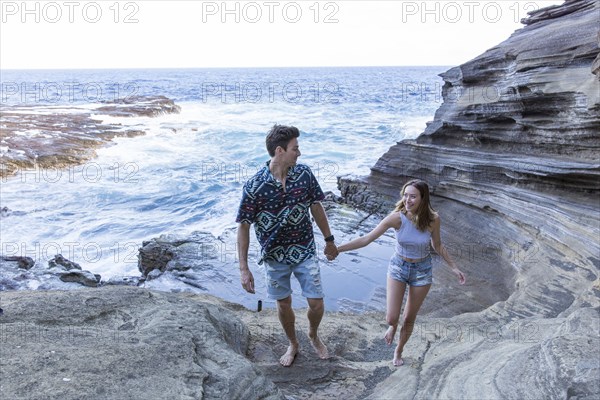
(331, 251)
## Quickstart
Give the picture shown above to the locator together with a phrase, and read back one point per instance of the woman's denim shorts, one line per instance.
(412, 273)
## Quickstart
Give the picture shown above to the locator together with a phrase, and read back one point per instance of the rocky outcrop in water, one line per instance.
(192, 261)
(23, 273)
(140, 106)
(54, 137)
(512, 158)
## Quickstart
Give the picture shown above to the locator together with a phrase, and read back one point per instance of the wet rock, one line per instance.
(188, 262)
(155, 273)
(22, 262)
(154, 256)
(62, 263)
(140, 106)
(85, 278)
(23, 273)
(125, 281)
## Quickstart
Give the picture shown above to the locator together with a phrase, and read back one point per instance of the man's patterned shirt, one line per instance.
(281, 219)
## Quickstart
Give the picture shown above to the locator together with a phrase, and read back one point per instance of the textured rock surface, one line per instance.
(58, 261)
(85, 278)
(512, 157)
(124, 343)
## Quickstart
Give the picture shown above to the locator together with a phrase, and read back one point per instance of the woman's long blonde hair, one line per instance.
(425, 213)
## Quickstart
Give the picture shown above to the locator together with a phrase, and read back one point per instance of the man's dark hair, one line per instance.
(280, 135)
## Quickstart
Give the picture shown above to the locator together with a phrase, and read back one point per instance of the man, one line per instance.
(277, 200)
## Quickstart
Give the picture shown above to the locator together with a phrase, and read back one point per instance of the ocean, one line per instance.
(186, 173)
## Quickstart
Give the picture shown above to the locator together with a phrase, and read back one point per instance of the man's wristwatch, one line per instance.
(329, 238)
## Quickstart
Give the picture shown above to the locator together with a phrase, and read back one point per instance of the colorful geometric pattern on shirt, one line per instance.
(281, 219)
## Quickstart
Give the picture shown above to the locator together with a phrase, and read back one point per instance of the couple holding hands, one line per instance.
(280, 199)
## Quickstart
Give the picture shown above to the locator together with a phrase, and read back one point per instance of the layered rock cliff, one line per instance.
(512, 158)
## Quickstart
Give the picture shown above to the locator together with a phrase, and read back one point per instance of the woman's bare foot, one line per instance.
(290, 355)
(398, 361)
(390, 333)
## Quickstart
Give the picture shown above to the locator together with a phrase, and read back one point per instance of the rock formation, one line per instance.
(512, 159)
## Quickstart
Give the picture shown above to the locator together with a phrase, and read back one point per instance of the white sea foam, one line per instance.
(414, 126)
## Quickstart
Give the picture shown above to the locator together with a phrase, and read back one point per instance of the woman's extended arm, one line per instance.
(439, 248)
(391, 221)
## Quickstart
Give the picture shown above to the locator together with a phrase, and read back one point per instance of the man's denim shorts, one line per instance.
(412, 273)
(307, 272)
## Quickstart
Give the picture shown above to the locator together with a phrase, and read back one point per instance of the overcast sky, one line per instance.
(196, 34)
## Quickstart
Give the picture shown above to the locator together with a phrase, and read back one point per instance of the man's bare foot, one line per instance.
(319, 347)
(390, 333)
(398, 361)
(290, 355)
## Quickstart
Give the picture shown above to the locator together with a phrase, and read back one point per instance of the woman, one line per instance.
(417, 226)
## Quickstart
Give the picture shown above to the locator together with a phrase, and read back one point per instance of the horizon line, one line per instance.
(222, 67)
